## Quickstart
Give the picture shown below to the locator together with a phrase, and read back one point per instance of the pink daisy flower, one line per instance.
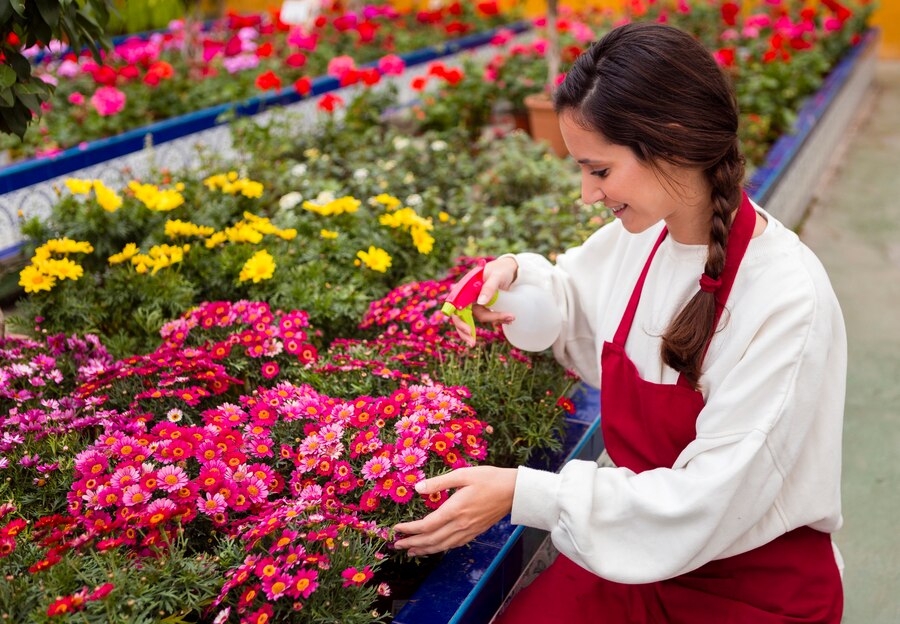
(355, 577)
(212, 504)
(276, 586)
(375, 468)
(400, 492)
(409, 458)
(270, 369)
(303, 583)
(134, 495)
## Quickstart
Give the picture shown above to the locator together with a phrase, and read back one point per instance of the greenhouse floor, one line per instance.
(854, 228)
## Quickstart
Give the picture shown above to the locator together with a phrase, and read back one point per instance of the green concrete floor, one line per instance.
(854, 228)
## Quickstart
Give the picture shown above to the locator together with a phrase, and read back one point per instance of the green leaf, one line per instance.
(6, 98)
(7, 76)
(6, 11)
(18, 6)
(49, 10)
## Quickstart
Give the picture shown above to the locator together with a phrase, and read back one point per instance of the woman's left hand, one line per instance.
(484, 494)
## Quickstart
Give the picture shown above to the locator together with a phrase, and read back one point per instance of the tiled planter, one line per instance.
(472, 582)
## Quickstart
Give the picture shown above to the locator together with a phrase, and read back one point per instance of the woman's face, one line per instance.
(636, 194)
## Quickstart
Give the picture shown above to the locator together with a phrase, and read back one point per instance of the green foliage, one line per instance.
(174, 586)
(77, 22)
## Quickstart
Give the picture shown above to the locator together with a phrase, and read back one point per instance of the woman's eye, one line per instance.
(600, 173)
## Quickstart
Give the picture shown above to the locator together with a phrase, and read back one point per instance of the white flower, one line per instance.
(390, 165)
(438, 146)
(414, 200)
(324, 197)
(290, 200)
(222, 616)
(299, 169)
(174, 415)
(401, 143)
(360, 174)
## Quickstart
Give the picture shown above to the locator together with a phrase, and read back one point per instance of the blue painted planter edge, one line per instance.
(782, 153)
(36, 170)
(479, 593)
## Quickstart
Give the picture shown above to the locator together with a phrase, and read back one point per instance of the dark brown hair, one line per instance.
(658, 91)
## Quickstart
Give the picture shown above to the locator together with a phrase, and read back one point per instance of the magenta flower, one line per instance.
(356, 577)
(108, 101)
(303, 583)
(340, 65)
(391, 65)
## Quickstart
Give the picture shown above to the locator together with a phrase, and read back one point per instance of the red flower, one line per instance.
(13, 40)
(454, 75)
(105, 75)
(488, 8)
(270, 369)
(366, 31)
(371, 76)
(350, 77)
(303, 85)
(265, 50)
(725, 57)
(101, 592)
(566, 404)
(730, 11)
(234, 46)
(329, 103)
(298, 59)
(61, 606)
(419, 83)
(129, 72)
(321, 21)
(268, 80)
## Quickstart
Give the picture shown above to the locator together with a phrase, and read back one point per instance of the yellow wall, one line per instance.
(887, 16)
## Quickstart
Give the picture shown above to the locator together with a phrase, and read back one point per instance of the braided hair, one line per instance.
(658, 91)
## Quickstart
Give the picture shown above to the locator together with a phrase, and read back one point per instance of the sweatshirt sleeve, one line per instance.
(639, 528)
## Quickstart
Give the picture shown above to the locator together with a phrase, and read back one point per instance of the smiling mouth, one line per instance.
(618, 209)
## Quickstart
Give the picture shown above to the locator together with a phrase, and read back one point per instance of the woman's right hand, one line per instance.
(498, 275)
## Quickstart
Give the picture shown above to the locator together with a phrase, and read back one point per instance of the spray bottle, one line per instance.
(537, 319)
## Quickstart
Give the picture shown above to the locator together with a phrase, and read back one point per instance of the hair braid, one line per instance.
(684, 343)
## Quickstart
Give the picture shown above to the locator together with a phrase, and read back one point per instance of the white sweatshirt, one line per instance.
(767, 457)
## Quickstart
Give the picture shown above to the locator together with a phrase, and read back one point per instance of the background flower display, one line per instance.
(194, 66)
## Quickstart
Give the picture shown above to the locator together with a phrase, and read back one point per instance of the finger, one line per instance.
(486, 315)
(460, 477)
(431, 522)
(489, 289)
(464, 331)
(444, 539)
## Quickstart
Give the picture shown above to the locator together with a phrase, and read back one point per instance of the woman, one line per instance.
(719, 348)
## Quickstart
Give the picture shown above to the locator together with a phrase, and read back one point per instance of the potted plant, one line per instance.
(541, 116)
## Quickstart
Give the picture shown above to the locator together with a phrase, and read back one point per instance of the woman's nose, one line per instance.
(591, 193)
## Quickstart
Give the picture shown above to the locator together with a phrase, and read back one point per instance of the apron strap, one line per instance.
(628, 317)
(738, 240)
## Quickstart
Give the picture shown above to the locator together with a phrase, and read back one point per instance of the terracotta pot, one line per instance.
(544, 124)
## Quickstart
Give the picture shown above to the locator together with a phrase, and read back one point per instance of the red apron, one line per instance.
(792, 579)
